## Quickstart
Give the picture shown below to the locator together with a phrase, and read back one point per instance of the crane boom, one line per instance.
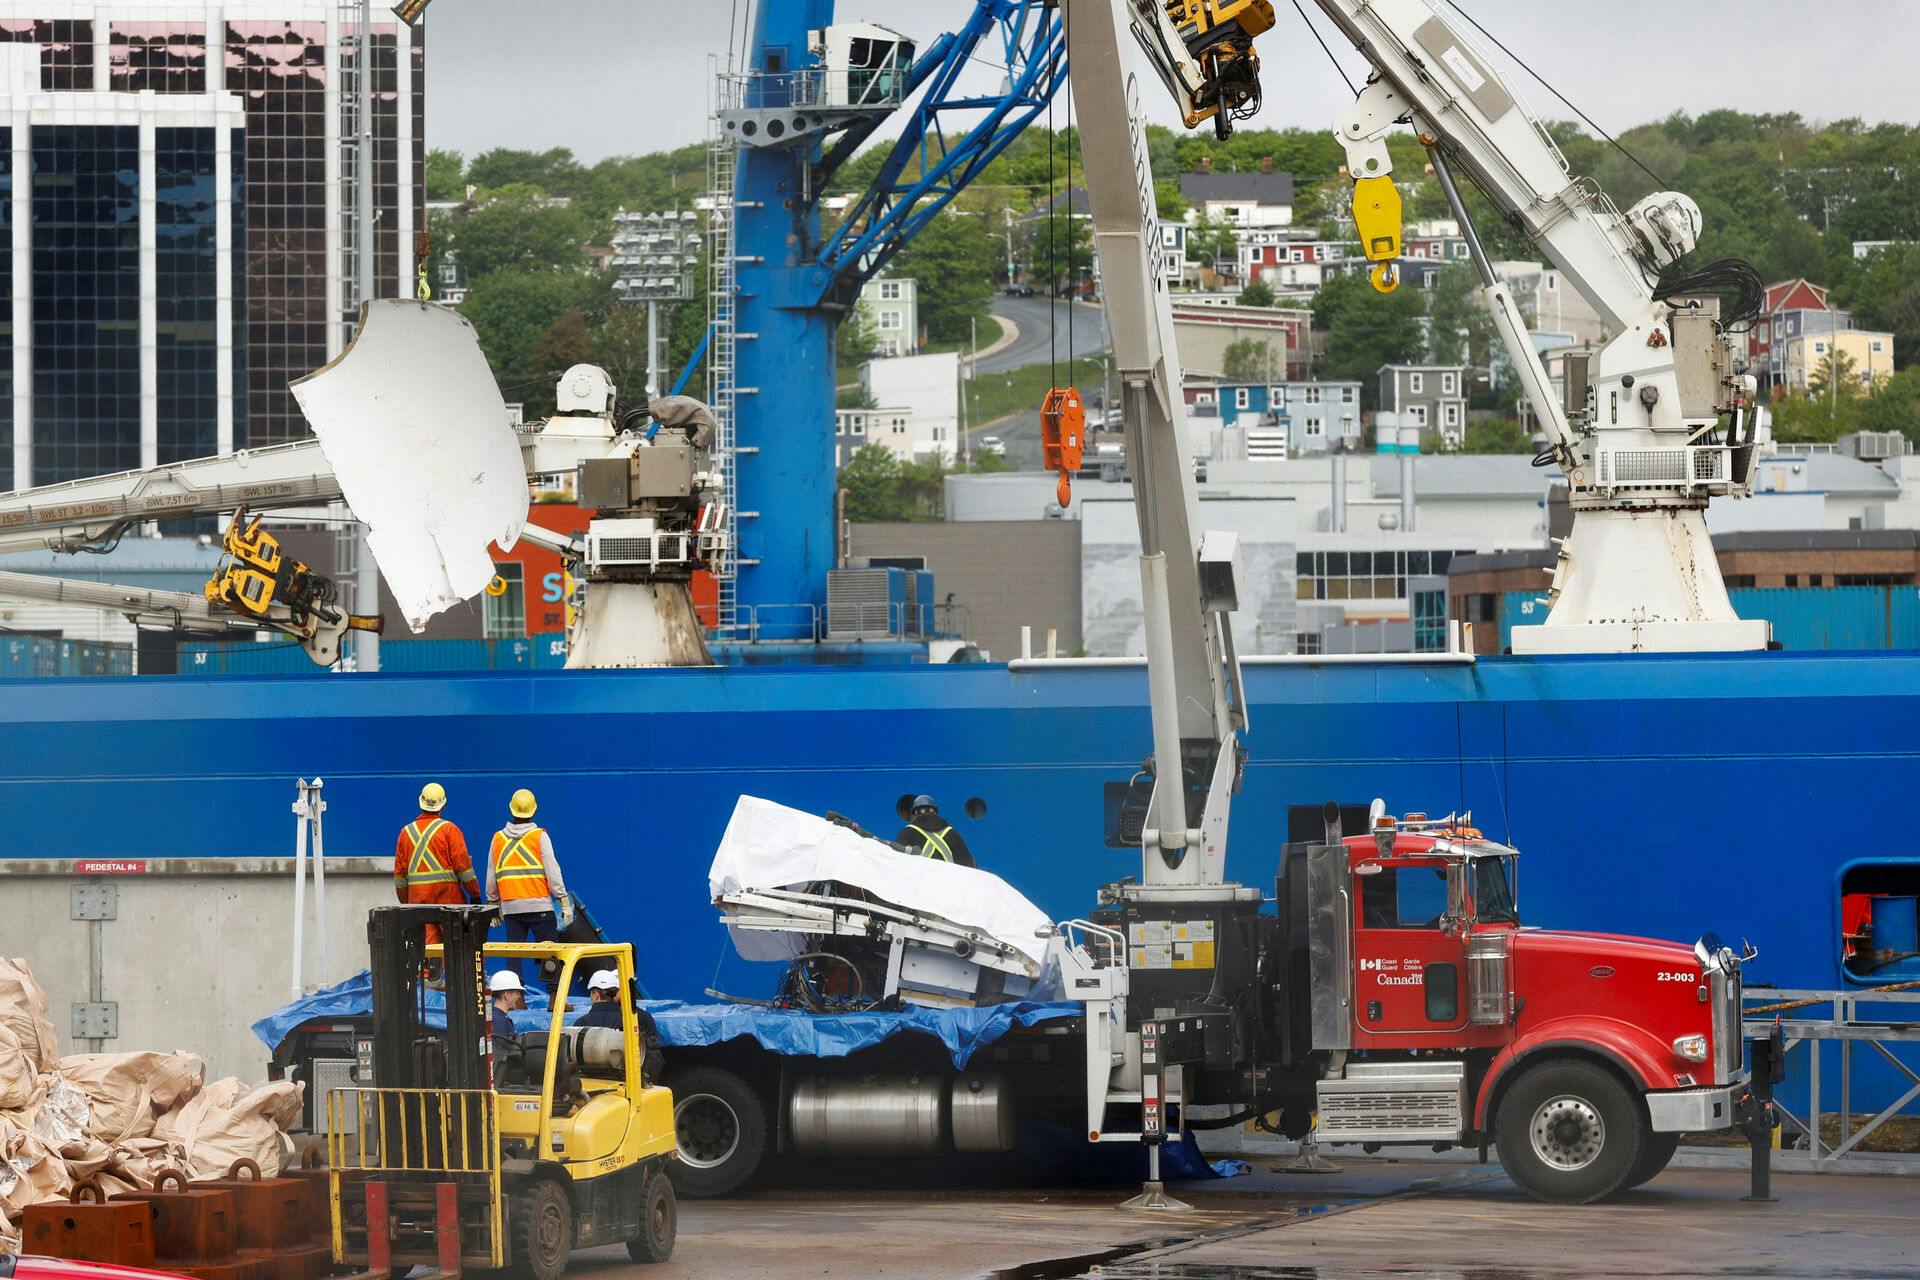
(1652, 426)
(1187, 576)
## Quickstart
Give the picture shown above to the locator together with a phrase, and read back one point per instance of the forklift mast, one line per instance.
(407, 1053)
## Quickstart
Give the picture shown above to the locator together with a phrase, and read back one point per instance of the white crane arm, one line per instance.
(78, 513)
(1187, 580)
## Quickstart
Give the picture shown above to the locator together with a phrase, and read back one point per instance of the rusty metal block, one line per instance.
(269, 1213)
(307, 1262)
(90, 1230)
(316, 1260)
(229, 1268)
(319, 1194)
(189, 1224)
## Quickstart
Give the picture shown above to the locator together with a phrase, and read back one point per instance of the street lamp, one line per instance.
(655, 256)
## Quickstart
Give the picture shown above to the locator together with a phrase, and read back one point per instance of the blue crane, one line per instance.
(796, 282)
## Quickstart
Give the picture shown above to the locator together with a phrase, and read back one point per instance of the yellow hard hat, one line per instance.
(433, 798)
(522, 805)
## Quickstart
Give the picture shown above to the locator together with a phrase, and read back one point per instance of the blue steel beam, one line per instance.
(794, 287)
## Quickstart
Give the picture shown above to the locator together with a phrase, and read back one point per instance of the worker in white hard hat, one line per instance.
(430, 862)
(930, 836)
(603, 989)
(508, 995)
(524, 877)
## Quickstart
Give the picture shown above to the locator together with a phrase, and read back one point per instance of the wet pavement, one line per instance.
(1376, 1218)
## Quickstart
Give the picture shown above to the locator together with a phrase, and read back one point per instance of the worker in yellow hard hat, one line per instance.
(523, 876)
(430, 861)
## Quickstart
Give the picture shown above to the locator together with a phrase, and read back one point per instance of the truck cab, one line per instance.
(1434, 1016)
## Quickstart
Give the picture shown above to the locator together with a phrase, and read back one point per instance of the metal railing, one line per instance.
(378, 1139)
(1846, 1026)
(450, 1131)
(817, 88)
(844, 620)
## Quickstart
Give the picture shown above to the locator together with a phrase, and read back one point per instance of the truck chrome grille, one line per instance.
(1395, 1102)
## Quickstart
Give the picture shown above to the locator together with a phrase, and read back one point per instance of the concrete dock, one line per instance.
(1376, 1218)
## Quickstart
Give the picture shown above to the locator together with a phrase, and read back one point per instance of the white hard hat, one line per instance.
(505, 980)
(604, 980)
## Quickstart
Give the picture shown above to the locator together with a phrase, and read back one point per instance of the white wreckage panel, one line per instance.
(769, 846)
(412, 423)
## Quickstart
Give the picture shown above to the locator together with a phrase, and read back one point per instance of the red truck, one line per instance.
(1420, 1010)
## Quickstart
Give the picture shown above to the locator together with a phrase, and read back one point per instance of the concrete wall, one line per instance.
(1264, 623)
(198, 949)
(1005, 573)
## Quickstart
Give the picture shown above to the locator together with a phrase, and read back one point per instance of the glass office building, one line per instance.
(178, 229)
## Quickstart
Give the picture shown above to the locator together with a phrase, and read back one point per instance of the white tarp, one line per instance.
(769, 846)
(412, 423)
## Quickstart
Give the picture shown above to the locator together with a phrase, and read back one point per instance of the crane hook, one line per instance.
(1385, 276)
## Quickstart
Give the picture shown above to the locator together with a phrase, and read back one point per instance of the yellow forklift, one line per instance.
(470, 1150)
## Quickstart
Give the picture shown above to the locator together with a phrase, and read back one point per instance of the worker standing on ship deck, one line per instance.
(928, 835)
(430, 861)
(523, 876)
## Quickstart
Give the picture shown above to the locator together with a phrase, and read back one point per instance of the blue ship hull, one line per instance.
(1655, 795)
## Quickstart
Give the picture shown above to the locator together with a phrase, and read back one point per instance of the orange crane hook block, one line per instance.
(1063, 436)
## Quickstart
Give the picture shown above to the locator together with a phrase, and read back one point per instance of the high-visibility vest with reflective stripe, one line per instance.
(518, 870)
(934, 846)
(423, 864)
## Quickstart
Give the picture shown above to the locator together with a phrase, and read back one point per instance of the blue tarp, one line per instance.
(788, 1032)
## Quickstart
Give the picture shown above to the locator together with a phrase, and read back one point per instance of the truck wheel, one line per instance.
(542, 1227)
(720, 1123)
(1654, 1157)
(659, 1221)
(1569, 1132)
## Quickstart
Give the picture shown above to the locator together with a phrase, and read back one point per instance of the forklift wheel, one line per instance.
(542, 1228)
(659, 1221)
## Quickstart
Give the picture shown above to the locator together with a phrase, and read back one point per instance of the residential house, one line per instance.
(854, 429)
(928, 386)
(1550, 303)
(1432, 398)
(1262, 198)
(1290, 259)
(894, 302)
(1304, 415)
(1203, 330)
(1802, 357)
(1792, 308)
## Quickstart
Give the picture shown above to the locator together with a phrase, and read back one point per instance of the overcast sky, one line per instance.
(614, 77)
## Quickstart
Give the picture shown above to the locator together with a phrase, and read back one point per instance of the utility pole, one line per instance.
(366, 577)
(1009, 212)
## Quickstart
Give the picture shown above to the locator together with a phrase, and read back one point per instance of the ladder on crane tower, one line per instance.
(352, 63)
(722, 296)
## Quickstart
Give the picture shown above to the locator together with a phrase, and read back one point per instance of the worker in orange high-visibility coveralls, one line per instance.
(430, 862)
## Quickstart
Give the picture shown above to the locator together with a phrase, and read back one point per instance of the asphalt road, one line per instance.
(1377, 1218)
(1031, 314)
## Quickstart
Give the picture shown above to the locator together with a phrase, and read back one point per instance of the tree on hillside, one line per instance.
(1213, 245)
(1366, 329)
(554, 171)
(1883, 292)
(858, 337)
(1253, 360)
(1060, 253)
(618, 344)
(1497, 435)
(956, 261)
(512, 311)
(1257, 294)
(1895, 405)
(519, 229)
(1835, 377)
(1459, 326)
(446, 175)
